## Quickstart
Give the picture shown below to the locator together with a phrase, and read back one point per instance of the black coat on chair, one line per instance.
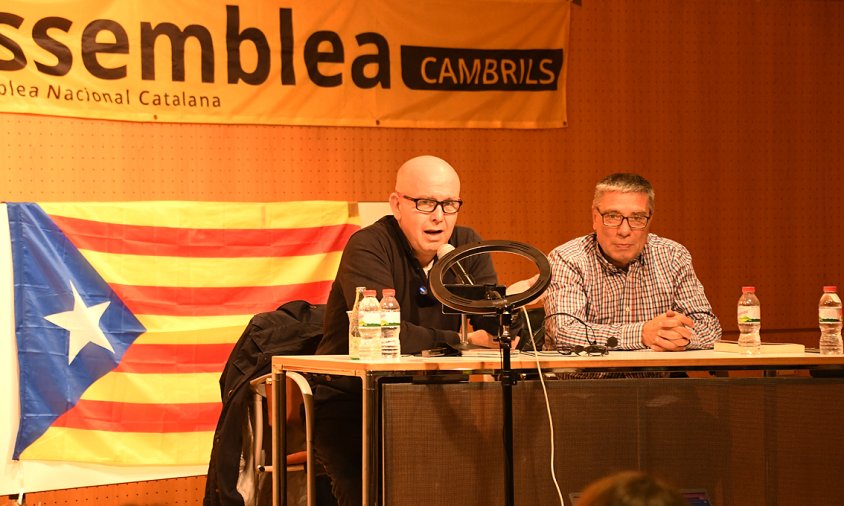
(295, 328)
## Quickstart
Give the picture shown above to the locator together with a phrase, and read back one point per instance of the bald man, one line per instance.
(399, 250)
(396, 252)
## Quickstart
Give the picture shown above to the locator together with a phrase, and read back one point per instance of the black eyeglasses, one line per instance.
(613, 219)
(593, 350)
(426, 205)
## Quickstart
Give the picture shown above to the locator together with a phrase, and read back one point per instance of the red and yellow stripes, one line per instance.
(193, 273)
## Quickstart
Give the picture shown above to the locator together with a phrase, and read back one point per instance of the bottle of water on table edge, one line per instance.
(749, 321)
(390, 325)
(369, 327)
(354, 333)
(829, 320)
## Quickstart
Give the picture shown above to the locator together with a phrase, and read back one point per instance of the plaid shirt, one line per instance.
(617, 303)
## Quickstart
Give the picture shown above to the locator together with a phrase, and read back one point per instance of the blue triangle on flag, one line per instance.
(51, 277)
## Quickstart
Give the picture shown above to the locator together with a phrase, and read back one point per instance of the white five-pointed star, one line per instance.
(83, 322)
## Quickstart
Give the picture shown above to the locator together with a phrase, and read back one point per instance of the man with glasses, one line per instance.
(628, 286)
(396, 252)
(399, 250)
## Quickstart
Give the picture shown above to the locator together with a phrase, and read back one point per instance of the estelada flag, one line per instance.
(126, 313)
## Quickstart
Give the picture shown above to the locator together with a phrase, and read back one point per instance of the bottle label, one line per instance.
(749, 314)
(390, 319)
(370, 319)
(829, 315)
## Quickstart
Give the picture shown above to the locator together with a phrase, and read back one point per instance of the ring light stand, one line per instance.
(503, 307)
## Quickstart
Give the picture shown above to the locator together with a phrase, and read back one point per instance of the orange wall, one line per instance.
(733, 108)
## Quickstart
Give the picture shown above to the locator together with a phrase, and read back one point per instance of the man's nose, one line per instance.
(624, 228)
(437, 215)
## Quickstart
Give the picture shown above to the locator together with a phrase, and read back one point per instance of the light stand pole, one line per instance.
(507, 382)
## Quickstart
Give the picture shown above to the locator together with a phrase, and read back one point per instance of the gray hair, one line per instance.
(624, 182)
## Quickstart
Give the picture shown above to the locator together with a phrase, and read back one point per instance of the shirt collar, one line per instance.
(427, 268)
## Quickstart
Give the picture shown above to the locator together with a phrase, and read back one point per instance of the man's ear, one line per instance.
(394, 204)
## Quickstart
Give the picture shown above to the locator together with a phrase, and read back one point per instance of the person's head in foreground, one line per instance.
(630, 488)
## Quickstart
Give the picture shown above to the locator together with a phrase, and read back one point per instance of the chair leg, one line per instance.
(258, 440)
(308, 401)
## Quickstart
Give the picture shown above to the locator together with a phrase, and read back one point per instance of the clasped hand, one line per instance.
(670, 331)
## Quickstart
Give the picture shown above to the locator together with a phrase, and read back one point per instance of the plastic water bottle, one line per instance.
(749, 321)
(829, 320)
(390, 325)
(369, 327)
(354, 333)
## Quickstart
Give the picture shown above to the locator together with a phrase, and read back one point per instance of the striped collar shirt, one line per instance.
(613, 302)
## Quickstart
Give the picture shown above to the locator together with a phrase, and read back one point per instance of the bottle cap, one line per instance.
(746, 289)
(389, 292)
(830, 289)
(369, 293)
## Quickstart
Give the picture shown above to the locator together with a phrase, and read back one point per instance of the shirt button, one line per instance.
(627, 308)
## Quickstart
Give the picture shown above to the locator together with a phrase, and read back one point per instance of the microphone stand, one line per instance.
(507, 382)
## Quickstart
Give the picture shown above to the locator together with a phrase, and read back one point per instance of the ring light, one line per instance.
(491, 306)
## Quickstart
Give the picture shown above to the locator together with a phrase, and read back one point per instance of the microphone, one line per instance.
(457, 269)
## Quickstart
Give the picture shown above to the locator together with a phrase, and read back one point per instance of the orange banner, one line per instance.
(428, 63)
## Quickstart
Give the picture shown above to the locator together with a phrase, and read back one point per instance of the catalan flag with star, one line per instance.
(125, 314)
